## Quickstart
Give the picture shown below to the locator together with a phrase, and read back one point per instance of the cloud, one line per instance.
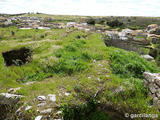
(83, 7)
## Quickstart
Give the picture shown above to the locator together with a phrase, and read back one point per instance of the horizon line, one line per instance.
(74, 15)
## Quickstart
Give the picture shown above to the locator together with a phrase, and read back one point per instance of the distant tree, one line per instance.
(91, 21)
(115, 23)
(129, 20)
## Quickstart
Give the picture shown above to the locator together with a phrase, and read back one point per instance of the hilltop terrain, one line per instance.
(78, 67)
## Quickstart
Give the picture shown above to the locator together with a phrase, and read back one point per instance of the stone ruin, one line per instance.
(132, 40)
(17, 57)
(152, 82)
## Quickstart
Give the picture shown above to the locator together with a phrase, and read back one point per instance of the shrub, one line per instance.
(80, 111)
(136, 69)
(129, 64)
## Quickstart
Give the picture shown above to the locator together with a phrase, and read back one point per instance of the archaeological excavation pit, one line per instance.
(17, 57)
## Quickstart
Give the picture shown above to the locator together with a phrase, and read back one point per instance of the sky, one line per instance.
(83, 7)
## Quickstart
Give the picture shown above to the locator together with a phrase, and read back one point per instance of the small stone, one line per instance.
(59, 112)
(107, 76)
(98, 79)
(13, 90)
(46, 111)
(29, 83)
(38, 118)
(67, 94)
(41, 104)
(100, 65)
(28, 108)
(94, 61)
(41, 98)
(52, 97)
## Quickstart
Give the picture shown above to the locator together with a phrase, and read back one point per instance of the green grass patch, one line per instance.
(129, 64)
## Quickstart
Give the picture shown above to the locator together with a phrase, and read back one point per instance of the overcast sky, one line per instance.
(84, 7)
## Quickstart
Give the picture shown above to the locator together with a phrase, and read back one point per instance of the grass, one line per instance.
(63, 62)
(128, 68)
(129, 64)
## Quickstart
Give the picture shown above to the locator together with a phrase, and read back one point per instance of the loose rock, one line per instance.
(41, 98)
(28, 108)
(52, 97)
(46, 111)
(38, 118)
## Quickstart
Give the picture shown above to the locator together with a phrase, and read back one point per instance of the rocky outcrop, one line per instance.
(152, 82)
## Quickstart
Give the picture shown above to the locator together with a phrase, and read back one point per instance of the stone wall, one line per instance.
(152, 82)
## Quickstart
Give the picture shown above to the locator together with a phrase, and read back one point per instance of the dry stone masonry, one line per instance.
(152, 82)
